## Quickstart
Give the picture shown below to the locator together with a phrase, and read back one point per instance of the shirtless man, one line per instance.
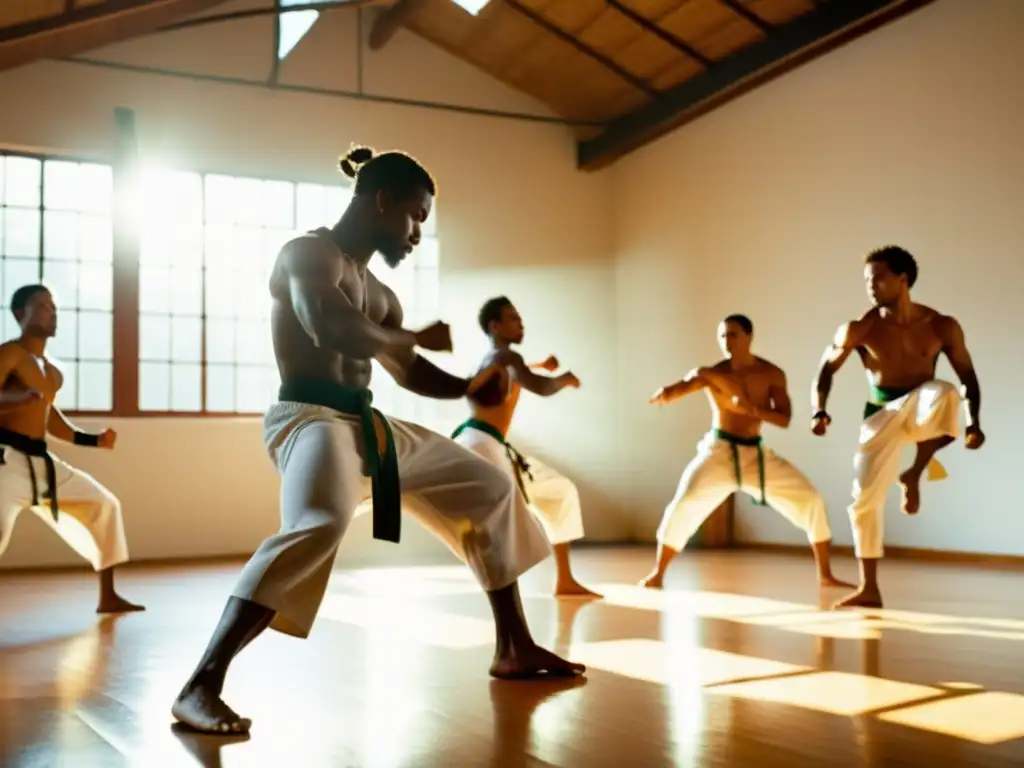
(744, 391)
(82, 512)
(554, 500)
(899, 343)
(331, 318)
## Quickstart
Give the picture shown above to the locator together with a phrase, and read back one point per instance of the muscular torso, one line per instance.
(29, 372)
(498, 416)
(297, 356)
(755, 384)
(900, 355)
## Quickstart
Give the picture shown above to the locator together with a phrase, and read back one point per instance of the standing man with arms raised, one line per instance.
(331, 318)
(82, 512)
(745, 392)
(554, 500)
(899, 343)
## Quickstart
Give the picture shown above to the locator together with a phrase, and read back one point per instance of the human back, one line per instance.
(507, 390)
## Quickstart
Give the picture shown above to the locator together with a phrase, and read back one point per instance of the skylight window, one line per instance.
(471, 6)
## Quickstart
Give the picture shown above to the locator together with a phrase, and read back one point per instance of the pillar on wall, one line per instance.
(717, 531)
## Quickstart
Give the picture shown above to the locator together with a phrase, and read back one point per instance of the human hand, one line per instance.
(663, 396)
(974, 438)
(744, 407)
(571, 380)
(551, 364)
(436, 337)
(106, 439)
(820, 423)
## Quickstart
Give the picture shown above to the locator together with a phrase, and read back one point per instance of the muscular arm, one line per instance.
(781, 412)
(412, 371)
(955, 348)
(324, 310)
(8, 361)
(846, 340)
(694, 381)
(545, 386)
(57, 424)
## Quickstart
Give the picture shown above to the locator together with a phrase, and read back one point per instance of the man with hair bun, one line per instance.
(332, 449)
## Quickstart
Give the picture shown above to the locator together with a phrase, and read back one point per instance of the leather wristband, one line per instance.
(86, 439)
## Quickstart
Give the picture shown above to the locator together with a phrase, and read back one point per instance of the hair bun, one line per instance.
(356, 157)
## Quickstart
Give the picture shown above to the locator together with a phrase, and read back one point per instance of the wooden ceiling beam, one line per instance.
(553, 29)
(739, 9)
(93, 26)
(662, 34)
(788, 46)
(391, 20)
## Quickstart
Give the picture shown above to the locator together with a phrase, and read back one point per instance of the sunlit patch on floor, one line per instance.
(984, 718)
(837, 693)
(657, 662)
(416, 624)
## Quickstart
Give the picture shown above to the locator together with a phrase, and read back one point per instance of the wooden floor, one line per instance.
(732, 665)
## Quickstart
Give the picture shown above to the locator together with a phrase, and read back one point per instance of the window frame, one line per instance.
(44, 155)
(126, 261)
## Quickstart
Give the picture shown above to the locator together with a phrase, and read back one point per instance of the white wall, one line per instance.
(515, 217)
(911, 135)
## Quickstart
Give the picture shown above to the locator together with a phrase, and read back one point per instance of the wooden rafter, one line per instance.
(93, 26)
(566, 37)
(391, 20)
(788, 46)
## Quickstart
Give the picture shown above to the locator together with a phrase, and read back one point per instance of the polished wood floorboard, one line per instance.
(734, 664)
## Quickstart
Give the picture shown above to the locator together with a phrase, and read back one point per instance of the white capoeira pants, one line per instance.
(466, 502)
(89, 517)
(925, 413)
(710, 477)
(553, 499)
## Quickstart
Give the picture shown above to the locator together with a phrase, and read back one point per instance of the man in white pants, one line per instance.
(899, 343)
(80, 510)
(331, 319)
(744, 391)
(553, 499)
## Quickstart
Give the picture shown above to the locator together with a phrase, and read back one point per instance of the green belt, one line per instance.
(882, 395)
(383, 470)
(519, 463)
(735, 441)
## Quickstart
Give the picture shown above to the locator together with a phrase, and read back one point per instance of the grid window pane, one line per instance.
(23, 181)
(95, 336)
(57, 227)
(205, 342)
(95, 386)
(186, 387)
(154, 386)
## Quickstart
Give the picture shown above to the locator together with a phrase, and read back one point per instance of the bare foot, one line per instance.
(204, 711)
(117, 604)
(654, 580)
(910, 483)
(533, 662)
(862, 598)
(828, 580)
(573, 588)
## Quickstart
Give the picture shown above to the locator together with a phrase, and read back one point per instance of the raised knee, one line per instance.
(942, 390)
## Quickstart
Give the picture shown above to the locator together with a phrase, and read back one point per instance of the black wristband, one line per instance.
(821, 415)
(86, 439)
